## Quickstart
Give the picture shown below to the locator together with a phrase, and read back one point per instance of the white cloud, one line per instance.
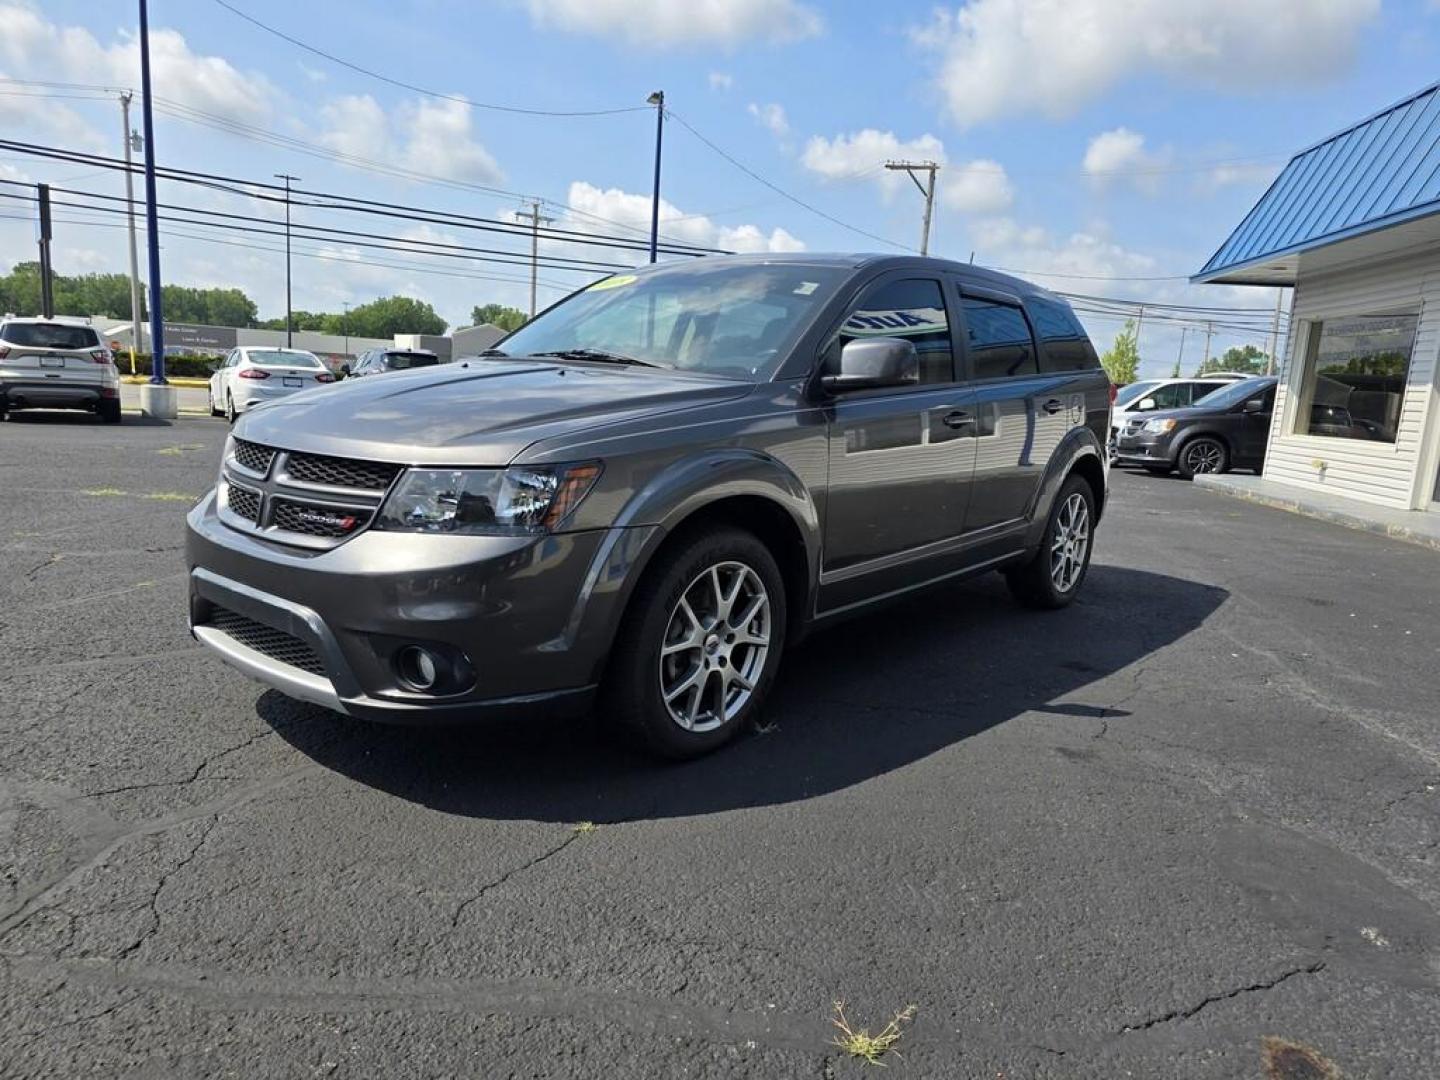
(723, 80)
(1256, 174)
(621, 213)
(1119, 156)
(33, 45)
(999, 57)
(973, 187)
(435, 133)
(1077, 262)
(658, 23)
(979, 187)
(52, 121)
(772, 117)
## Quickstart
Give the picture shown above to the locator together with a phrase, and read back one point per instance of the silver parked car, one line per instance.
(51, 364)
(251, 376)
(643, 495)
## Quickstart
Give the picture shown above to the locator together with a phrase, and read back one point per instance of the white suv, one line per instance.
(49, 364)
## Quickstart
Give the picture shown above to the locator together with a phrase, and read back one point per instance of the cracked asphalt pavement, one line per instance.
(1191, 821)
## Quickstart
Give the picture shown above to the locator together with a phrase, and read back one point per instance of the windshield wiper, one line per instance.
(601, 356)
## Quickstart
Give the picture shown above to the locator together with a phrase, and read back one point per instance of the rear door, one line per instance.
(1021, 413)
(900, 457)
(1252, 429)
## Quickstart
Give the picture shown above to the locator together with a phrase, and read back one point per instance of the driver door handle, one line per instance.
(1053, 406)
(957, 418)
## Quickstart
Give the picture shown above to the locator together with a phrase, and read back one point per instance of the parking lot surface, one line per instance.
(1137, 838)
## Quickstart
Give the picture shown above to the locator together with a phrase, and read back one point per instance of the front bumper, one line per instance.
(1143, 448)
(533, 617)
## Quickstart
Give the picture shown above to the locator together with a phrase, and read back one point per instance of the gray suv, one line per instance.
(645, 494)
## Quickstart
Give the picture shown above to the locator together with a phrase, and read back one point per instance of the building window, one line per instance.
(1355, 376)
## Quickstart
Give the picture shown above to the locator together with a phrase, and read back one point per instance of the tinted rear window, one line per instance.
(50, 336)
(1064, 344)
(999, 339)
(400, 361)
(284, 358)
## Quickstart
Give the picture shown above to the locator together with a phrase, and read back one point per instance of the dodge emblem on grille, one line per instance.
(323, 520)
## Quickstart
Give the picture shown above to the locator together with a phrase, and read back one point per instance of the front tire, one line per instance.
(210, 400)
(230, 414)
(1203, 454)
(1052, 578)
(700, 645)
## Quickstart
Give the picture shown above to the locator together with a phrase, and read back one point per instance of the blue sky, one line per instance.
(1104, 147)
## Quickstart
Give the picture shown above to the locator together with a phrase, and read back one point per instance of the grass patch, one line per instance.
(176, 451)
(584, 828)
(106, 492)
(862, 1044)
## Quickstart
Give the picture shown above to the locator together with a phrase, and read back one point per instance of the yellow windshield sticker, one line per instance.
(613, 282)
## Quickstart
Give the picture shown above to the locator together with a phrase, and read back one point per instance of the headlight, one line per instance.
(486, 502)
(1159, 427)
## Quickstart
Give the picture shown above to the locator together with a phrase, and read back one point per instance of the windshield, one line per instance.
(1129, 393)
(49, 336)
(737, 321)
(1233, 394)
(284, 358)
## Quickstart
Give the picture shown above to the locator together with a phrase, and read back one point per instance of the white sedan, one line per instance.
(251, 376)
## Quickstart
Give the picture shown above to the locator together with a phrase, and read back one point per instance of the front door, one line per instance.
(901, 457)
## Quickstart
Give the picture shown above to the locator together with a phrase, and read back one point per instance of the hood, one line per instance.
(1189, 412)
(475, 412)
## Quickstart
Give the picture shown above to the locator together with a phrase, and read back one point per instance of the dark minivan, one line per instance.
(644, 494)
(1226, 429)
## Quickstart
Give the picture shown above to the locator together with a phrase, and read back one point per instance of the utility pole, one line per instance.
(345, 324)
(1274, 335)
(533, 214)
(658, 100)
(47, 285)
(1209, 329)
(132, 141)
(289, 321)
(1139, 325)
(159, 402)
(910, 168)
(1180, 356)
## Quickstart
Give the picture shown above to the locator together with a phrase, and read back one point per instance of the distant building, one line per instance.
(1353, 223)
(473, 340)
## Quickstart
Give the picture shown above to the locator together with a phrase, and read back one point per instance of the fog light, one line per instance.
(418, 667)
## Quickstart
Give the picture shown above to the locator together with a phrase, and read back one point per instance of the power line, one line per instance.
(421, 89)
(776, 188)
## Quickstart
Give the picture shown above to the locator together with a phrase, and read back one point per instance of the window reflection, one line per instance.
(1355, 376)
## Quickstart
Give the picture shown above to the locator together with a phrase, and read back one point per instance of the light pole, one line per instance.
(289, 322)
(157, 398)
(658, 100)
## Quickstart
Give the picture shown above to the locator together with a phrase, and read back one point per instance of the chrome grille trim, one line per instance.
(302, 499)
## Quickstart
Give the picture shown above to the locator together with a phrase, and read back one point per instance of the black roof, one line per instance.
(871, 260)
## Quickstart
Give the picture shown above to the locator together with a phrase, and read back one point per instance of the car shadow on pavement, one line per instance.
(74, 418)
(853, 702)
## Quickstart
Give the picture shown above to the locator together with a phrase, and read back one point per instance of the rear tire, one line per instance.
(210, 400)
(1052, 578)
(1203, 454)
(109, 410)
(699, 647)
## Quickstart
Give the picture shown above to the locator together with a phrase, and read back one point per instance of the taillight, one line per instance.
(253, 373)
(324, 376)
(1114, 393)
(100, 356)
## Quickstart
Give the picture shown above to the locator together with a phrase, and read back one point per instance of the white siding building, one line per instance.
(1353, 224)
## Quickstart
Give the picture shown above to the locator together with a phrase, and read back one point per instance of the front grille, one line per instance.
(253, 456)
(243, 501)
(340, 472)
(315, 520)
(276, 644)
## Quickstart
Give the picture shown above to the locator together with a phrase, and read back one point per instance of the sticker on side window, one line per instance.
(613, 282)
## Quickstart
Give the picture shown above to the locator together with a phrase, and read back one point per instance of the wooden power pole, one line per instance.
(533, 216)
(910, 168)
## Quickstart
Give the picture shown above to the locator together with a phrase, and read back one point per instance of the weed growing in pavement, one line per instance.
(104, 491)
(171, 496)
(869, 1047)
(584, 827)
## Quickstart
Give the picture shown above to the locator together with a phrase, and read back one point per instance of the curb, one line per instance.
(1299, 505)
(177, 380)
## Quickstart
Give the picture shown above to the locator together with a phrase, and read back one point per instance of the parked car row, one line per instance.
(1225, 429)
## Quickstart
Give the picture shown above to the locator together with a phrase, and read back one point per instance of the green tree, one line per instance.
(1122, 360)
(391, 315)
(301, 320)
(507, 318)
(1246, 359)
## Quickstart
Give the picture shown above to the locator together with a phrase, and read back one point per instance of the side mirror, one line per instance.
(1253, 405)
(1145, 405)
(866, 363)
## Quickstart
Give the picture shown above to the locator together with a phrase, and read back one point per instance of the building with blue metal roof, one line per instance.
(1353, 224)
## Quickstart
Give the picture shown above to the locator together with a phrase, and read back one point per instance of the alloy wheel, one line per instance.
(1203, 457)
(1070, 543)
(716, 641)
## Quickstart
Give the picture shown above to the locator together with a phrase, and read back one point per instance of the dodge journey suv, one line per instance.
(645, 494)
